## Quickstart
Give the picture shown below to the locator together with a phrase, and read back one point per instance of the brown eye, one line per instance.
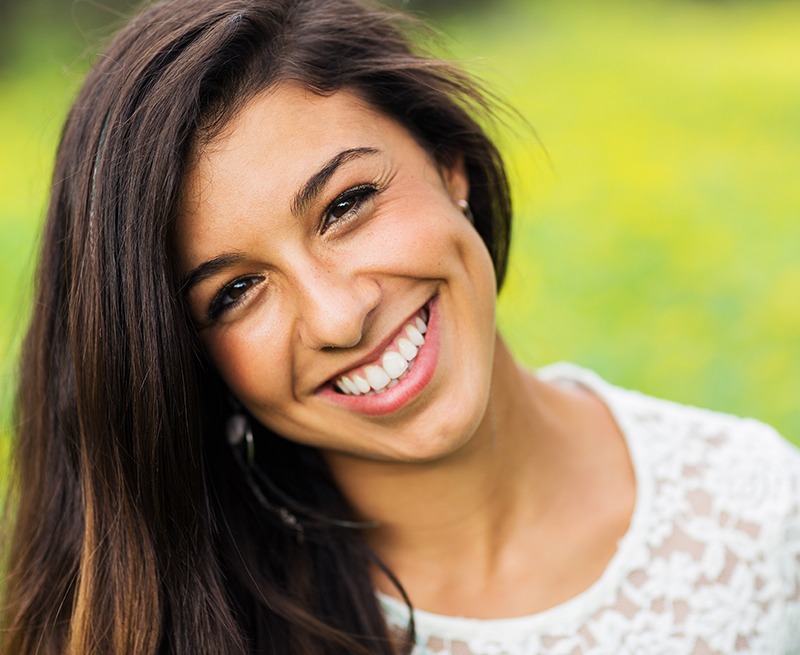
(342, 207)
(236, 290)
(230, 295)
(347, 205)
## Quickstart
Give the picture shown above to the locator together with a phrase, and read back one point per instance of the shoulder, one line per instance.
(750, 469)
(745, 460)
(718, 514)
(741, 467)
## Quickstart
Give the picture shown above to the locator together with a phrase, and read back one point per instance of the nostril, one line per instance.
(333, 312)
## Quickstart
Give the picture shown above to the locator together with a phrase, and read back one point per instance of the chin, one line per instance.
(447, 430)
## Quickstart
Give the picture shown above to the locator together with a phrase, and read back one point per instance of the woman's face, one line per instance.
(336, 284)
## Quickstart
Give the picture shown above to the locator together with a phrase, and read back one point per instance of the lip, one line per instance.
(409, 387)
(377, 350)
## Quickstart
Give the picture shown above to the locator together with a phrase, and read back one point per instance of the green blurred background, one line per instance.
(655, 175)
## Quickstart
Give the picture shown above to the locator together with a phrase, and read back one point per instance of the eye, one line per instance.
(231, 295)
(347, 205)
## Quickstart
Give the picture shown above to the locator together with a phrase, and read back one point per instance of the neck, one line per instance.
(473, 497)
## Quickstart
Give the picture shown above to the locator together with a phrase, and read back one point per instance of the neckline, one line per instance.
(618, 566)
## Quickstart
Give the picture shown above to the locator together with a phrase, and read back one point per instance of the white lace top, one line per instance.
(710, 562)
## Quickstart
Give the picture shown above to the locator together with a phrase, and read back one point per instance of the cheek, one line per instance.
(417, 237)
(477, 259)
(253, 362)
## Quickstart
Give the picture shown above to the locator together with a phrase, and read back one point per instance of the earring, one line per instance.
(239, 432)
(464, 204)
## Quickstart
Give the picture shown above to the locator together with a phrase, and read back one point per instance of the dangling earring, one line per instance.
(240, 438)
(466, 209)
(239, 432)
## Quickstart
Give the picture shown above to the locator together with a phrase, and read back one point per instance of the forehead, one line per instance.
(271, 147)
(287, 128)
(289, 114)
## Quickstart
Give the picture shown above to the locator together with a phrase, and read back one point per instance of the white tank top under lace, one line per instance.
(709, 564)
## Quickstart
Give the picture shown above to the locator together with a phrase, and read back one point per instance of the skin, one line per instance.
(497, 495)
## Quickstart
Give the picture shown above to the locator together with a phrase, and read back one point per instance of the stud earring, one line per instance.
(466, 209)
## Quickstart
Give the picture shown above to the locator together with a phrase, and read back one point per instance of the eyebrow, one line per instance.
(302, 199)
(209, 269)
(312, 188)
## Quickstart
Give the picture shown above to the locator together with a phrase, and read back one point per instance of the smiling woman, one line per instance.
(265, 408)
(323, 240)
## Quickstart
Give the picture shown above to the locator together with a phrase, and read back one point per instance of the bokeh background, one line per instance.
(655, 163)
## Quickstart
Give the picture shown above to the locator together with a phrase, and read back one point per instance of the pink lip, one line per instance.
(409, 387)
(375, 354)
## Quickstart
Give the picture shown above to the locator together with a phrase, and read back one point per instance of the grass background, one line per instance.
(657, 237)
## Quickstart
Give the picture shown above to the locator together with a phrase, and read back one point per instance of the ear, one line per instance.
(454, 176)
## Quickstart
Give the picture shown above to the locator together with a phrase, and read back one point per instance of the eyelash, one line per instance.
(355, 195)
(217, 308)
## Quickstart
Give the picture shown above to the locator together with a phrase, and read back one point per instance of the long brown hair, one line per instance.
(134, 529)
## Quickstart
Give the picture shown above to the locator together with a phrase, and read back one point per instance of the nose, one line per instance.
(334, 304)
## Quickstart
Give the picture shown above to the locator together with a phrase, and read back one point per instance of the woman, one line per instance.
(264, 407)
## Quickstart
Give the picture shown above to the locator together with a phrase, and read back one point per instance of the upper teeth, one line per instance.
(392, 364)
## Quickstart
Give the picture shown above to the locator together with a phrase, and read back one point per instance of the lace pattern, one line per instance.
(710, 563)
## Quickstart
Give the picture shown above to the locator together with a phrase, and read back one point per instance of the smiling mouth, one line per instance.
(391, 366)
